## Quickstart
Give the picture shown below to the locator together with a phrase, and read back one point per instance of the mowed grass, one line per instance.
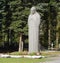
(43, 53)
(21, 60)
(51, 53)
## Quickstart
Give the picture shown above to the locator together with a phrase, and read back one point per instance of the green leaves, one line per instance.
(14, 17)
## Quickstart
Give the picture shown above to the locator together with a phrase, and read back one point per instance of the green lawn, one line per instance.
(43, 53)
(21, 60)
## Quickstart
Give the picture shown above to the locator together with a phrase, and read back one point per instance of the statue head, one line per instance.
(33, 10)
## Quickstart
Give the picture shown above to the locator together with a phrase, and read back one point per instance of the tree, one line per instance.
(19, 20)
(57, 28)
(52, 22)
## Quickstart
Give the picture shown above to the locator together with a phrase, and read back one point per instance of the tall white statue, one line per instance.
(33, 25)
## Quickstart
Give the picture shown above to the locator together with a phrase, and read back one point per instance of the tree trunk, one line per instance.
(57, 33)
(20, 43)
(57, 38)
(49, 43)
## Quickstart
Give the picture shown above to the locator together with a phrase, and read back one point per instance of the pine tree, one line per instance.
(19, 20)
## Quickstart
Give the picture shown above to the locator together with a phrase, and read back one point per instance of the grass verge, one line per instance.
(21, 60)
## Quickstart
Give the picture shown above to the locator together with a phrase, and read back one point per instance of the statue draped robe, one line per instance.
(33, 26)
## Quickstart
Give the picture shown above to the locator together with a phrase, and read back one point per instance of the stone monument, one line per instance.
(33, 26)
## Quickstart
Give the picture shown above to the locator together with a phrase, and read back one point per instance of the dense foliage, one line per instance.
(14, 17)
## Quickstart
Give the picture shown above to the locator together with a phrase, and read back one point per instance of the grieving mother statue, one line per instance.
(33, 26)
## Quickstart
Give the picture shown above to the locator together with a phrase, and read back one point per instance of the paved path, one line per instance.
(53, 60)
